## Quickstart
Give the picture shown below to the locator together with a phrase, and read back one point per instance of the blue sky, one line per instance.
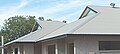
(60, 10)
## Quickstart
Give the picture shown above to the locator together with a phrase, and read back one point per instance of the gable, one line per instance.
(87, 11)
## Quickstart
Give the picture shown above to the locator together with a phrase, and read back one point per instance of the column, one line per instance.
(18, 50)
(13, 52)
(2, 44)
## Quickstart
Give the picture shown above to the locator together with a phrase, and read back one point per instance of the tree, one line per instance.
(17, 26)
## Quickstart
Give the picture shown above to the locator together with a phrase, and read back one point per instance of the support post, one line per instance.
(19, 50)
(2, 40)
(13, 51)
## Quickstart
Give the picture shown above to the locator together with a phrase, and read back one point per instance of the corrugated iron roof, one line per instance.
(105, 21)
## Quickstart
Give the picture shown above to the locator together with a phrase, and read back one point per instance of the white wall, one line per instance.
(46, 43)
(83, 45)
(86, 44)
(61, 46)
(10, 48)
(28, 48)
(24, 48)
(37, 48)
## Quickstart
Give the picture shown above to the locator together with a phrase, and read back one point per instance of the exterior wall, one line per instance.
(28, 49)
(46, 43)
(37, 48)
(23, 48)
(60, 46)
(88, 44)
(9, 50)
(82, 45)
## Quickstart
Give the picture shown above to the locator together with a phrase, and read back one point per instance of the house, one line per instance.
(97, 31)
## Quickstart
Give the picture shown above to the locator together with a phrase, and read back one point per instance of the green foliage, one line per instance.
(17, 26)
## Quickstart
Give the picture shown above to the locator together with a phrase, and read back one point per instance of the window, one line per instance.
(16, 50)
(87, 11)
(109, 45)
(71, 48)
(51, 49)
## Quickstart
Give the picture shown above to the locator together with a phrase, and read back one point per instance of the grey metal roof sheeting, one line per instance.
(47, 28)
(106, 21)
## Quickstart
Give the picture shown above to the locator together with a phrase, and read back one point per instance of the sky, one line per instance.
(69, 10)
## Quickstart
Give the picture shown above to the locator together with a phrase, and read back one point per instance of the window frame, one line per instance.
(108, 49)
